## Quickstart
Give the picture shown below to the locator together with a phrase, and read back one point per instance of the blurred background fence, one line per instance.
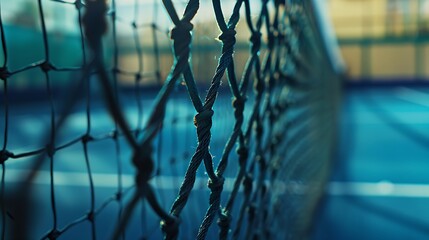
(380, 40)
(383, 40)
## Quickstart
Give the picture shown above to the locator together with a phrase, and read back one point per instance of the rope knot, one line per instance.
(87, 138)
(280, 2)
(181, 34)
(264, 189)
(47, 66)
(259, 129)
(181, 30)
(259, 85)
(170, 227)
(255, 39)
(4, 156)
(251, 211)
(54, 234)
(248, 184)
(138, 77)
(271, 39)
(228, 35)
(50, 150)
(216, 185)
(91, 216)
(224, 220)
(243, 154)
(4, 73)
(78, 4)
(118, 196)
(228, 38)
(203, 118)
(94, 21)
(238, 104)
(142, 160)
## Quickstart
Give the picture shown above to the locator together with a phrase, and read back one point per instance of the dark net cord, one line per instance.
(4, 152)
(277, 158)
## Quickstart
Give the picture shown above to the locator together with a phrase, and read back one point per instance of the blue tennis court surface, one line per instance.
(380, 189)
(29, 124)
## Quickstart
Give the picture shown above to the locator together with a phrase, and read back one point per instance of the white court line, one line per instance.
(406, 118)
(413, 96)
(368, 189)
(104, 180)
(380, 189)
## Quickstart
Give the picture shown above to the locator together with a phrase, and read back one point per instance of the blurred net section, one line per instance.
(100, 111)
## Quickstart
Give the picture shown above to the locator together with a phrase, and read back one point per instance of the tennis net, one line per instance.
(124, 130)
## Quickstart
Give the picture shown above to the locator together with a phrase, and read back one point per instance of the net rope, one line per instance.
(283, 131)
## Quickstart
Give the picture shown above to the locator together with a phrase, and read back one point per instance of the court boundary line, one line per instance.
(334, 188)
